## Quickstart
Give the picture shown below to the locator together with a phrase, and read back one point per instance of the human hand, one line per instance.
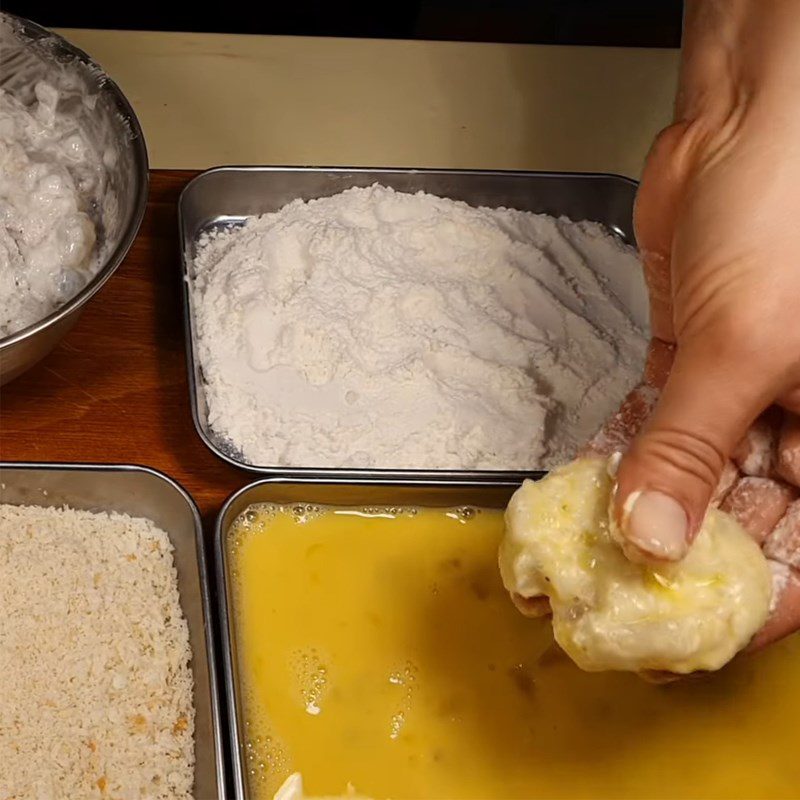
(717, 419)
(758, 486)
(750, 487)
(716, 222)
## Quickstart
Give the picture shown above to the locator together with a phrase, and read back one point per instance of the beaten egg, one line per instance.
(377, 649)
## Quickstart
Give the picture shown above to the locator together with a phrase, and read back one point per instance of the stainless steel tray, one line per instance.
(227, 195)
(144, 492)
(333, 492)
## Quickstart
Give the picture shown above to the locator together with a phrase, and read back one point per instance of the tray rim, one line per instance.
(203, 574)
(192, 359)
(543, 173)
(221, 572)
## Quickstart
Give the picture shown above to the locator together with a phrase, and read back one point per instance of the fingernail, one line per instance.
(657, 524)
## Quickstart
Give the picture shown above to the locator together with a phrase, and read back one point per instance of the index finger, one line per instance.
(620, 428)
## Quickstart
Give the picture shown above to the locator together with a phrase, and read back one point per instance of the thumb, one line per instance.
(669, 474)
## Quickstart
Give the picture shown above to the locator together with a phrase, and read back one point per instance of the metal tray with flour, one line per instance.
(143, 492)
(428, 493)
(228, 195)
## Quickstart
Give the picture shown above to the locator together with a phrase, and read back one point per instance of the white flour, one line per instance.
(382, 329)
(48, 172)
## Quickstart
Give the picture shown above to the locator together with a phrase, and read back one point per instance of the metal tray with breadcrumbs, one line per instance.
(142, 492)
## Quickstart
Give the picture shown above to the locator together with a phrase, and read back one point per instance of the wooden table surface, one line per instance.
(115, 389)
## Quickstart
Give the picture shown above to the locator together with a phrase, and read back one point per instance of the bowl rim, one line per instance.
(140, 168)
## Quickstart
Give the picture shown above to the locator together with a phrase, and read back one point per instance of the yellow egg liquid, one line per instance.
(377, 648)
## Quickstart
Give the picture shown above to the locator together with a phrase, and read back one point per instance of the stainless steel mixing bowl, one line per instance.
(28, 54)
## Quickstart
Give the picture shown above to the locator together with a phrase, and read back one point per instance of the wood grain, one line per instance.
(115, 389)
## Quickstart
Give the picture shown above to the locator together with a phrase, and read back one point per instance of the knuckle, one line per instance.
(783, 543)
(758, 504)
(788, 466)
(672, 453)
(756, 453)
(725, 484)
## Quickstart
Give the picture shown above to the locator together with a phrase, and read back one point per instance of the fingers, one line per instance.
(770, 512)
(756, 453)
(785, 616)
(763, 497)
(532, 606)
(660, 357)
(729, 476)
(758, 504)
(788, 456)
(782, 547)
(618, 430)
(673, 467)
(654, 216)
(783, 542)
(658, 676)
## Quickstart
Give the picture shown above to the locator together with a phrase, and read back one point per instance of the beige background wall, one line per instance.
(209, 99)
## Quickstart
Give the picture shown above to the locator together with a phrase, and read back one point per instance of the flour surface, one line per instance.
(381, 329)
